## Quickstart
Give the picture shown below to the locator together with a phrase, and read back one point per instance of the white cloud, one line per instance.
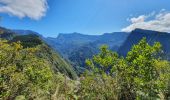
(34, 9)
(138, 19)
(159, 22)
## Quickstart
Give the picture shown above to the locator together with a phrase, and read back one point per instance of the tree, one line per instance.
(140, 75)
(140, 71)
(98, 83)
(22, 72)
(163, 82)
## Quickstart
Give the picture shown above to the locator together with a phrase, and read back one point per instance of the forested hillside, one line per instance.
(31, 70)
(57, 63)
(141, 75)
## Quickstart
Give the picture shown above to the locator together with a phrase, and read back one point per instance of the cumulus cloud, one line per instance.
(34, 9)
(159, 22)
(138, 19)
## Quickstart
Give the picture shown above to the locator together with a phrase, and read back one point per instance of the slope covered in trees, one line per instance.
(33, 41)
(30, 69)
(142, 75)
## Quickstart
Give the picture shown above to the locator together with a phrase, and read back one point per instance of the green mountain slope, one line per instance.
(57, 63)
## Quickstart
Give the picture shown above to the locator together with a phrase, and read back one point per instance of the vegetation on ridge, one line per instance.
(142, 75)
(31, 73)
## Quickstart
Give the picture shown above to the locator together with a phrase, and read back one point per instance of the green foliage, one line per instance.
(98, 83)
(141, 75)
(97, 87)
(104, 61)
(57, 63)
(35, 73)
(28, 73)
(163, 81)
(64, 88)
(30, 40)
(22, 73)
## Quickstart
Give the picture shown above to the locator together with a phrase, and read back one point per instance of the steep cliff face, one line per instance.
(151, 36)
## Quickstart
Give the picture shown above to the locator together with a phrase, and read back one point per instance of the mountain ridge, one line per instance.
(76, 47)
(151, 36)
(57, 63)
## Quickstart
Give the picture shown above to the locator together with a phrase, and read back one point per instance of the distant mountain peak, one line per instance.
(139, 30)
(69, 34)
(2, 28)
(151, 36)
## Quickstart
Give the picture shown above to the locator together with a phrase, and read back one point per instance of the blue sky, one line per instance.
(83, 16)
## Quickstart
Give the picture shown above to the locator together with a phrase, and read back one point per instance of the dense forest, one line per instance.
(29, 72)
